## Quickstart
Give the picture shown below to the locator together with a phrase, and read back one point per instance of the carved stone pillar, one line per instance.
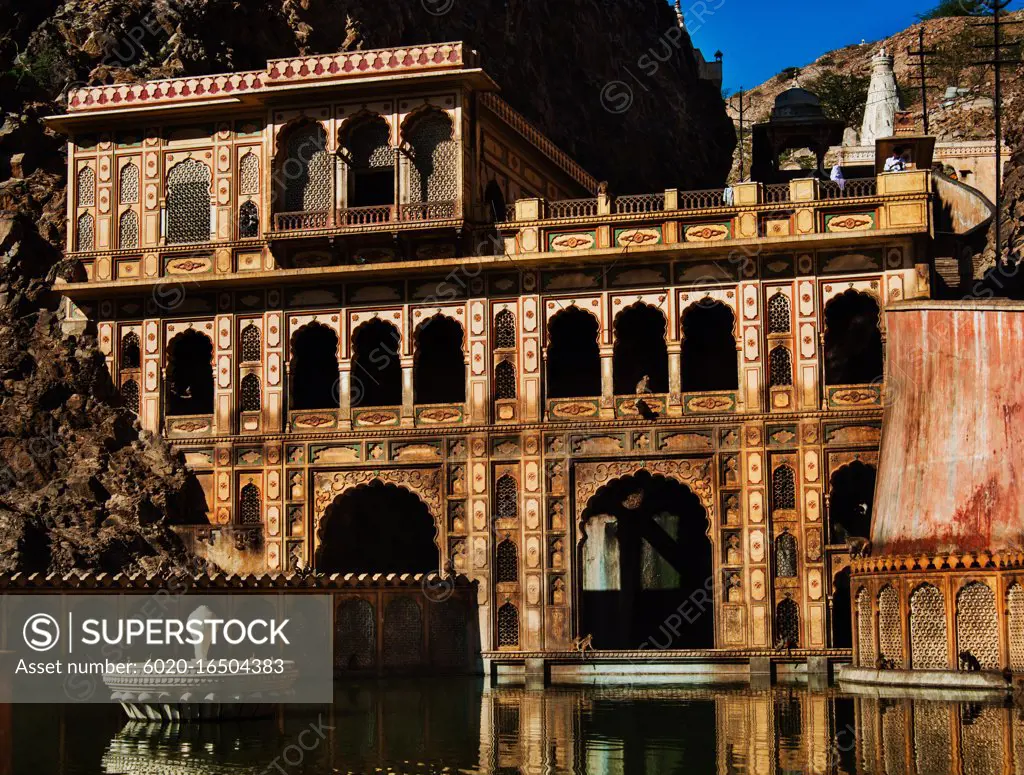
(607, 383)
(408, 410)
(675, 373)
(345, 395)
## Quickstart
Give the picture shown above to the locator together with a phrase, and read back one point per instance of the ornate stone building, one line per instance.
(393, 328)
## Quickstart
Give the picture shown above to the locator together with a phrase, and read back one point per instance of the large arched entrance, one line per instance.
(377, 528)
(647, 566)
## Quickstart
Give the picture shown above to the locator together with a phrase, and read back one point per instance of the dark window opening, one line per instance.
(640, 350)
(131, 356)
(439, 368)
(785, 556)
(505, 330)
(850, 500)
(314, 368)
(853, 342)
(783, 488)
(249, 394)
(842, 615)
(780, 367)
(709, 348)
(504, 381)
(787, 623)
(190, 374)
(377, 528)
(248, 220)
(494, 202)
(366, 146)
(376, 370)
(507, 562)
(574, 357)
(250, 509)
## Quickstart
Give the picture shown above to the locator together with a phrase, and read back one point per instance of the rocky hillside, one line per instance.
(82, 487)
(967, 117)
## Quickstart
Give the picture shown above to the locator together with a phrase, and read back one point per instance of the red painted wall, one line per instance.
(952, 453)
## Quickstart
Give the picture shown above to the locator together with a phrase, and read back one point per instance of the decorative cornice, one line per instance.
(1007, 559)
(88, 580)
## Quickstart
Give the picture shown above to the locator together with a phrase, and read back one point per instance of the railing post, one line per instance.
(803, 190)
(671, 199)
(745, 194)
(604, 204)
(530, 209)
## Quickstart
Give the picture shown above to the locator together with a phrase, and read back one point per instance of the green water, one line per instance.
(458, 725)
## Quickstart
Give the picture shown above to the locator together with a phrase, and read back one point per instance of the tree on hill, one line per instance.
(843, 96)
(947, 8)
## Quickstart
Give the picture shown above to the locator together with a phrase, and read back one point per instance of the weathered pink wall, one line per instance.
(953, 435)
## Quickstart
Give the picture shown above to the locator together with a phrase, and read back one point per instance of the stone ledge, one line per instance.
(925, 679)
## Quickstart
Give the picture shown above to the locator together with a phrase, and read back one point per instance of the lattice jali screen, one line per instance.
(783, 488)
(780, 367)
(131, 355)
(865, 629)
(433, 175)
(249, 174)
(86, 187)
(787, 622)
(85, 233)
(251, 349)
(248, 220)
(128, 230)
(448, 633)
(507, 562)
(785, 556)
(250, 506)
(403, 633)
(505, 380)
(308, 171)
(249, 393)
(977, 625)
(1015, 607)
(928, 629)
(778, 314)
(507, 496)
(890, 631)
(129, 184)
(933, 749)
(508, 625)
(894, 737)
(982, 740)
(130, 393)
(188, 202)
(355, 635)
(505, 330)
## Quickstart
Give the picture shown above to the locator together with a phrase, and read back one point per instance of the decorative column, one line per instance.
(607, 382)
(408, 408)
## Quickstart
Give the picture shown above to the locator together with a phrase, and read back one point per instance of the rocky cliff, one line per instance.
(81, 485)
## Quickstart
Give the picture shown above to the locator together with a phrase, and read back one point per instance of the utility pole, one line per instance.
(997, 61)
(922, 54)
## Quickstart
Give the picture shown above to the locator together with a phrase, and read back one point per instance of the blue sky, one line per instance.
(761, 37)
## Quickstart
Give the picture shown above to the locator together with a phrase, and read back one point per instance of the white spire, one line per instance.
(883, 100)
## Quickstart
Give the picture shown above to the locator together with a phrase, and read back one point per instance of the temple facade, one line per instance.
(393, 329)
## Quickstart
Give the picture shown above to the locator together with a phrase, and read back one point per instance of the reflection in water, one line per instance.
(458, 725)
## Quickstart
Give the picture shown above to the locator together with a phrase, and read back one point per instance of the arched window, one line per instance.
(977, 623)
(494, 201)
(130, 394)
(128, 230)
(507, 562)
(787, 622)
(248, 220)
(865, 629)
(86, 187)
(307, 170)
(506, 492)
(190, 374)
(779, 314)
(640, 350)
(853, 341)
(129, 184)
(780, 367)
(574, 358)
(188, 202)
(314, 368)
(709, 348)
(249, 393)
(928, 649)
(249, 174)
(433, 172)
(785, 556)
(85, 233)
(439, 367)
(505, 330)
(366, 147)
(130, 353)
(252, 349)
(508, 626)
(376, 369)
(1015, 612)
(850, 499)
(250, 507)
(890, 631)
(505, 380)
(783, 488)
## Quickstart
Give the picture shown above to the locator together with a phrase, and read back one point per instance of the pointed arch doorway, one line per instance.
(646, 563)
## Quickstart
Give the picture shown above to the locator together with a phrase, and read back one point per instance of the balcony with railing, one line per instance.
(800, 208)
(410, 215)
